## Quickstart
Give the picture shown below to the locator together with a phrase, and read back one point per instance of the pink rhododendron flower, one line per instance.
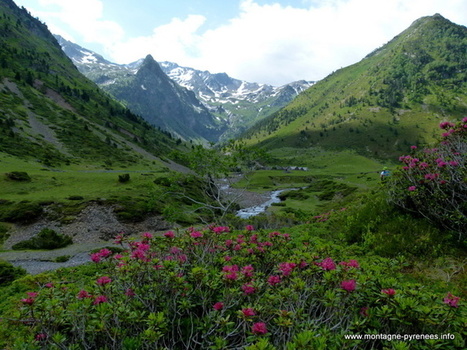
(196, 234)
(259, 328)
(248, 312)
(103, 280)
(182, 258)
(96, 257)
(118, 239)
(138, 255)
(349, 285)
(413, 147)
(230, 268)
(28, 301)
(328, 264)
(143, 246)
(364, 311)
(233, 276)
(147, 235)
(175, 250)
(423, 165)
(249, 228)
(350, 263)
(218, 306)
(273, 234)
(169, 234)
(451, 300)
(83, 294)
(40, 337)
(104, 253)
(248, 271)
(248, 289)
(286, 268)
(273, 280)
(100, 299)
(412, 188)
(431, 176)
(388, 291)
(445, 125)
(220, 229)
(130, 293)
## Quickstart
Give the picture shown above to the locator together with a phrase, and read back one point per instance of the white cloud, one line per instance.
(84, 17)
(272, 43)
(177, 39)
(278, 44)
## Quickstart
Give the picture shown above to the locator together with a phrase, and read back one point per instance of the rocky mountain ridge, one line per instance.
(235, 104)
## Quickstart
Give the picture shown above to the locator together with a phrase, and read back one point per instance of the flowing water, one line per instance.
(258, 209)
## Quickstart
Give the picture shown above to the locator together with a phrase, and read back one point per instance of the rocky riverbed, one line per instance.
(95, 227)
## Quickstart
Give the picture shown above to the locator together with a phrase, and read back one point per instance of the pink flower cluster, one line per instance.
(349, 285)
(286, 268)
(102, 281)
(327, 264)
(230, 272)
(390, 292)
(351, 263)
(101, 254)
(259, 328)
(31, 298)
(219, 229)
(451, 300)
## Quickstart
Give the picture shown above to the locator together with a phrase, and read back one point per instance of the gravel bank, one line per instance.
(35, 262)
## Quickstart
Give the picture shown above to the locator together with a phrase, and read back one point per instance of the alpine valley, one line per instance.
(163, 94)
(126, 193)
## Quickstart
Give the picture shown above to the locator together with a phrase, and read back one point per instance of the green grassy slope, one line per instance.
(51, 112)
(394, 97)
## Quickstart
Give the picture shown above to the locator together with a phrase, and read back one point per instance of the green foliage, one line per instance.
(45, 239)
(8, 272)
(123, 178)
(215, 289)
(394, 97)
(4, 228)
(382, 228)
(52, 113)
(18, 176)
(22, 212)
(62, 258)
(433, 181)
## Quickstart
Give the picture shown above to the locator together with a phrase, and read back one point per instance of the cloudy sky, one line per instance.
(265, 41)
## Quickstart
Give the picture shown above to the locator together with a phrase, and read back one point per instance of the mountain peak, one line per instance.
(149, 58)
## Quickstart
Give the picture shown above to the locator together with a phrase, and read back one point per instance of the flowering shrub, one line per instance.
(216, 289)
(433, 181)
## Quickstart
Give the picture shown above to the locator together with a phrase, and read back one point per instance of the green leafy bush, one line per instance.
(8, 272)
(3, 233)
(18, 176)
(433, 181)
(62, 258)
(384, 229)
(124, 178)
(45, 239)
(21, 212)
(216, 289)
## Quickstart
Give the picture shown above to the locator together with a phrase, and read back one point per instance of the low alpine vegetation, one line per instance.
(216, 289)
